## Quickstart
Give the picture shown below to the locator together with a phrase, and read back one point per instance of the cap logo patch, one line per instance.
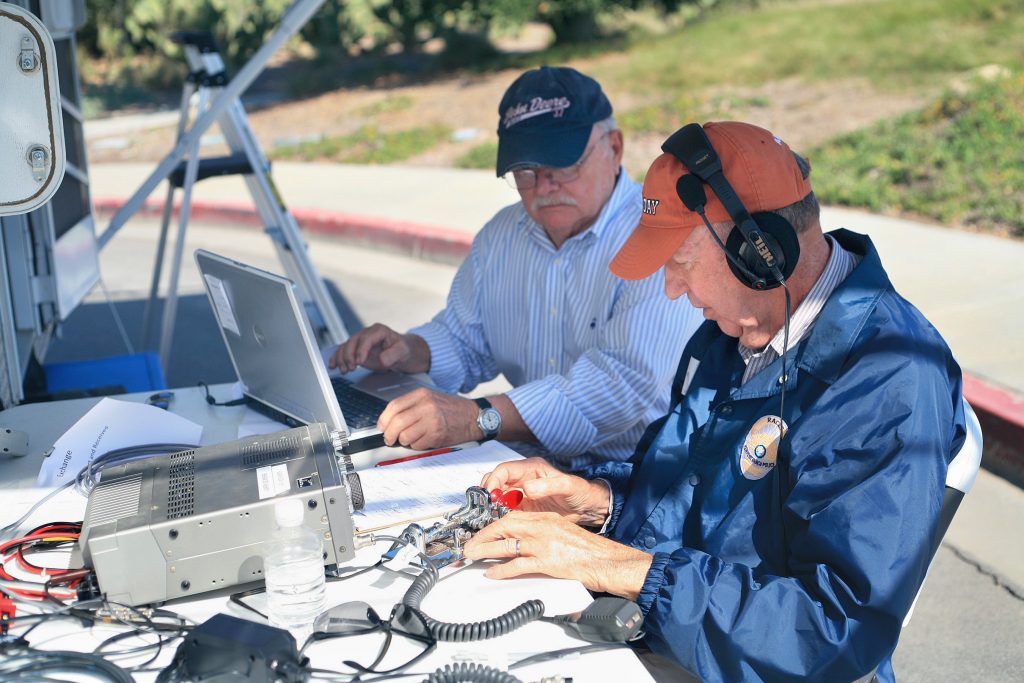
(651, 206)
(538, 106)
(760, 448)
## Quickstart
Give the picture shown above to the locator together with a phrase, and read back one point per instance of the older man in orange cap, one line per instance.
(778, 522)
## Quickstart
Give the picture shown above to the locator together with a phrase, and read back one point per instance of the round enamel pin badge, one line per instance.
(760, 447)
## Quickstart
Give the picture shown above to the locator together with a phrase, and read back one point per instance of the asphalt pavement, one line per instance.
(384, 235)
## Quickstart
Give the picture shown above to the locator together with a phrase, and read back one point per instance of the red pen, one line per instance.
(428, 454)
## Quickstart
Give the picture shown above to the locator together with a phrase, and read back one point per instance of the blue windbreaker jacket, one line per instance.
(808, 571)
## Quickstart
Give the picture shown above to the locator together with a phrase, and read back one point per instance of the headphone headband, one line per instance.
(691, 145)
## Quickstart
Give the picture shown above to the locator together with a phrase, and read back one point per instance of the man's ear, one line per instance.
(617, 143)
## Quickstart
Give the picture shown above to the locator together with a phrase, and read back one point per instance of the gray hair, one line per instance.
(802, 215)
(607, 125)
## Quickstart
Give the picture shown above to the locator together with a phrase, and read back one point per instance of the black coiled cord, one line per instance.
(464, 633)
(471, 673)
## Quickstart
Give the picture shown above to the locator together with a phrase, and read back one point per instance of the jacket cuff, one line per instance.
(653, 583)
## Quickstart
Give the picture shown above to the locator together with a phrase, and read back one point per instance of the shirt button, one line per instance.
(649, 542)
(551, 362)
(558, 261)
(726, 410)
(694, 479)
(554, 311)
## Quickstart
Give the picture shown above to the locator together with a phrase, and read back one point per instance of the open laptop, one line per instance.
(274, 352)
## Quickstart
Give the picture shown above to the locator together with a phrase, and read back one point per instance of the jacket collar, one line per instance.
(846, 311)
(824, 351)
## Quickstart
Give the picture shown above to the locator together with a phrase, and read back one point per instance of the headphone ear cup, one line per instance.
(780, 237)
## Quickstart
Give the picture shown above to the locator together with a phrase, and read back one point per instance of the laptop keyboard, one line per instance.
(359, 408)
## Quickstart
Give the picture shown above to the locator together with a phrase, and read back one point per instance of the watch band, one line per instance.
(486, 407)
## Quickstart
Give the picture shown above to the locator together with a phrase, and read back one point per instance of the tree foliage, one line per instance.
(128, 28)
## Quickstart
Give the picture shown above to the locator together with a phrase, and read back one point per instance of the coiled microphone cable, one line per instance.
(462, 633)
(471, 673)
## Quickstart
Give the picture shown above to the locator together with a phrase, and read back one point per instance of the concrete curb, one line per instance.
(429, 242)
(1000, 411)
(1001, 414)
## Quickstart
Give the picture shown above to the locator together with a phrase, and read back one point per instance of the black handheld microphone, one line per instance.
(690, 189)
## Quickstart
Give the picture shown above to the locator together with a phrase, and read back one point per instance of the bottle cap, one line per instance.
(288, 512)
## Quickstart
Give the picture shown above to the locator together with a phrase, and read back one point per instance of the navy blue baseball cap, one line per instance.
(546, 117)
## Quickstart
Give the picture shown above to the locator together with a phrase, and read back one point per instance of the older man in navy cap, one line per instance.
(589, 355)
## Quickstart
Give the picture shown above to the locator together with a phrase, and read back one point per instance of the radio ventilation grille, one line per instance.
(114, 500)
(181, 485)
(266, 452)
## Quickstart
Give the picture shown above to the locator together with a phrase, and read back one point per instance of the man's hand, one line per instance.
(378, 347)
(548, 489)
(424, 419)
(550, 544)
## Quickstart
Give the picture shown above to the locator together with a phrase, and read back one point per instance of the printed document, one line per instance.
(110, 425)
(425, 487)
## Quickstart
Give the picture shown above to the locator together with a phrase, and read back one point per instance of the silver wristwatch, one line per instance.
(488, 419)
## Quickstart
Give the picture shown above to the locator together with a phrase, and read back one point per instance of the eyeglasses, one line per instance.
(526, 178)
(358, 618)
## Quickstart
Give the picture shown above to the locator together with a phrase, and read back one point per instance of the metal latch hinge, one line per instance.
(39, 161)
(28, 58)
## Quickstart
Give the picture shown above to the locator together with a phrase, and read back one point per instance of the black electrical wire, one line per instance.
(462, 633)
(470, 672)
(214, 402)
(31, 664)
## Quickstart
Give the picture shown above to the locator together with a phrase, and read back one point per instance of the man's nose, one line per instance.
(675, 283)
(545, 183)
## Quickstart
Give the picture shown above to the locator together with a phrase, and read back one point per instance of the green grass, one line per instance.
(665, 116)
(389, 104)
(894, 43)
(959, 160)
(482, 156)
(368, 145)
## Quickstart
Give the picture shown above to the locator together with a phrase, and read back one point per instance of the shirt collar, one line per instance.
(840, 264)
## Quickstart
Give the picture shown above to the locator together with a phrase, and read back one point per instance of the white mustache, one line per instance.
(552, 200)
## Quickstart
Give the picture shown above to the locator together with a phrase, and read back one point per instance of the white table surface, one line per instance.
(461, 596)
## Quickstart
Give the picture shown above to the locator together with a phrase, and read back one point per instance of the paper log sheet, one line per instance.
(426, 487)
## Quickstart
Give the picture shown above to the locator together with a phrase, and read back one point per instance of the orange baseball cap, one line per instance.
(759, 166)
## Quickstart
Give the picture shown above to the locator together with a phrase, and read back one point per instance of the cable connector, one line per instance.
(7, 612)
(88, 588)
(606, 620)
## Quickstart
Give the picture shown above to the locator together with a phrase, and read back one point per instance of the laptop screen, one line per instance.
(269, 340)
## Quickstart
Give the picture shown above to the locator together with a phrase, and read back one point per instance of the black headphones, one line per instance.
(763, 249)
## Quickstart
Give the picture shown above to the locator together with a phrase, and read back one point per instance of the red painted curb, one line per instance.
(424, 241)
(1000, 412)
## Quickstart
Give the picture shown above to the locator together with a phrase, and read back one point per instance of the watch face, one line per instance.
(490, 420)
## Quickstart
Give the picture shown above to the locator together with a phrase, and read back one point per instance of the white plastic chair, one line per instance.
(959, 479)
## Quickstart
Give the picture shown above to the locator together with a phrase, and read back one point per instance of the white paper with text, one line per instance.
(110, 425)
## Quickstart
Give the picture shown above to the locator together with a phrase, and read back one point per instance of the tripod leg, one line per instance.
(171, 305)
(187, 91)
(154, 286)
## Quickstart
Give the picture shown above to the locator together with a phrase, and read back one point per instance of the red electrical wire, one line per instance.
(46, 536)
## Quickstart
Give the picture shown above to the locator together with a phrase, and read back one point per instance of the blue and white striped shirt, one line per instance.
(591, 357)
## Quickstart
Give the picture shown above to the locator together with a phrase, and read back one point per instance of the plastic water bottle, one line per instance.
(293, 569)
